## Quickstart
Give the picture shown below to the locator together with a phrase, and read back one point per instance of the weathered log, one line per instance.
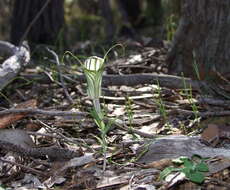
(169, 81)
(18, 58)
(171, 147)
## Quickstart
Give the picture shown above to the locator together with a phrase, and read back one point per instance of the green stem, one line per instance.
(97, 107)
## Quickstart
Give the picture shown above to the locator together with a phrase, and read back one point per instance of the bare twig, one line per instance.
(201, 114)
(61, 77)
(122, 126)
(63, 137)
(219, 182)
(169, 81)
(33, 22)
(44, 112)
(60, 135)
(215, 102)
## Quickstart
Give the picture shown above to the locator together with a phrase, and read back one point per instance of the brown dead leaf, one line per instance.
(214, 133)
(32, 126)
(9, 119)
(160, 164)
(211, 135)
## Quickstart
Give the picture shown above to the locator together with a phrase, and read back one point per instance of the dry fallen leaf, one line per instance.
(160, 164)
(9, 119)
(211, 135)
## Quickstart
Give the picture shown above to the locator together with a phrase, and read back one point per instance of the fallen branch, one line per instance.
(69, 98)
(201, 114)
(169, 81)
(43, 112)
(19, 57)
(119, 124)
(214, 102)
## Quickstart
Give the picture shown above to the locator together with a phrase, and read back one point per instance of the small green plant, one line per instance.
(129, 111)
(195, 65)
(160, 103)
(161, 107)
(103, 128)
(188, 94)
(193, 168)
(171, 27)
(93, 68)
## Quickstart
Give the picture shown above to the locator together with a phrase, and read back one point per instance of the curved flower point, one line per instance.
(93, 69)
(94, 63)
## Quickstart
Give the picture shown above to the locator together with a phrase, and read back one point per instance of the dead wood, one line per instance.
(20, 142)
(175, 146)
(164, 80)
(53, 153)
(9, 119)
(214, 102)
(43, 112)
(18, 58)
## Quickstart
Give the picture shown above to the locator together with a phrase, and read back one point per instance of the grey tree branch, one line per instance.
(43, 112)
(169, 81)
(19, 57)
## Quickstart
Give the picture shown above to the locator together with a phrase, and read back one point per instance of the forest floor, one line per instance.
(139, 113)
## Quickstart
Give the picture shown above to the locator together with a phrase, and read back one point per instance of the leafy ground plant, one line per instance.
(93, 68)
(161, 106)
(188, 94)
(193, 168)
(160, 102)
(130, 114)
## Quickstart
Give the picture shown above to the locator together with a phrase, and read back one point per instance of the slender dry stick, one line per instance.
(59, 135)
(33, 22)
(122, 126)
(43, 112)
(70, 100)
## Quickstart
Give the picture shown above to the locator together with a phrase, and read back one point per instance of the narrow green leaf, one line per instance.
(99, 139)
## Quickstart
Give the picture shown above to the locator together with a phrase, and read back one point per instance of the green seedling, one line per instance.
(160, 103)
(195, 65)
(129, 111)
(6, 98)
(188, 94)
(171, 27)
(161, 106)
(93, 68)
(194, 168)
